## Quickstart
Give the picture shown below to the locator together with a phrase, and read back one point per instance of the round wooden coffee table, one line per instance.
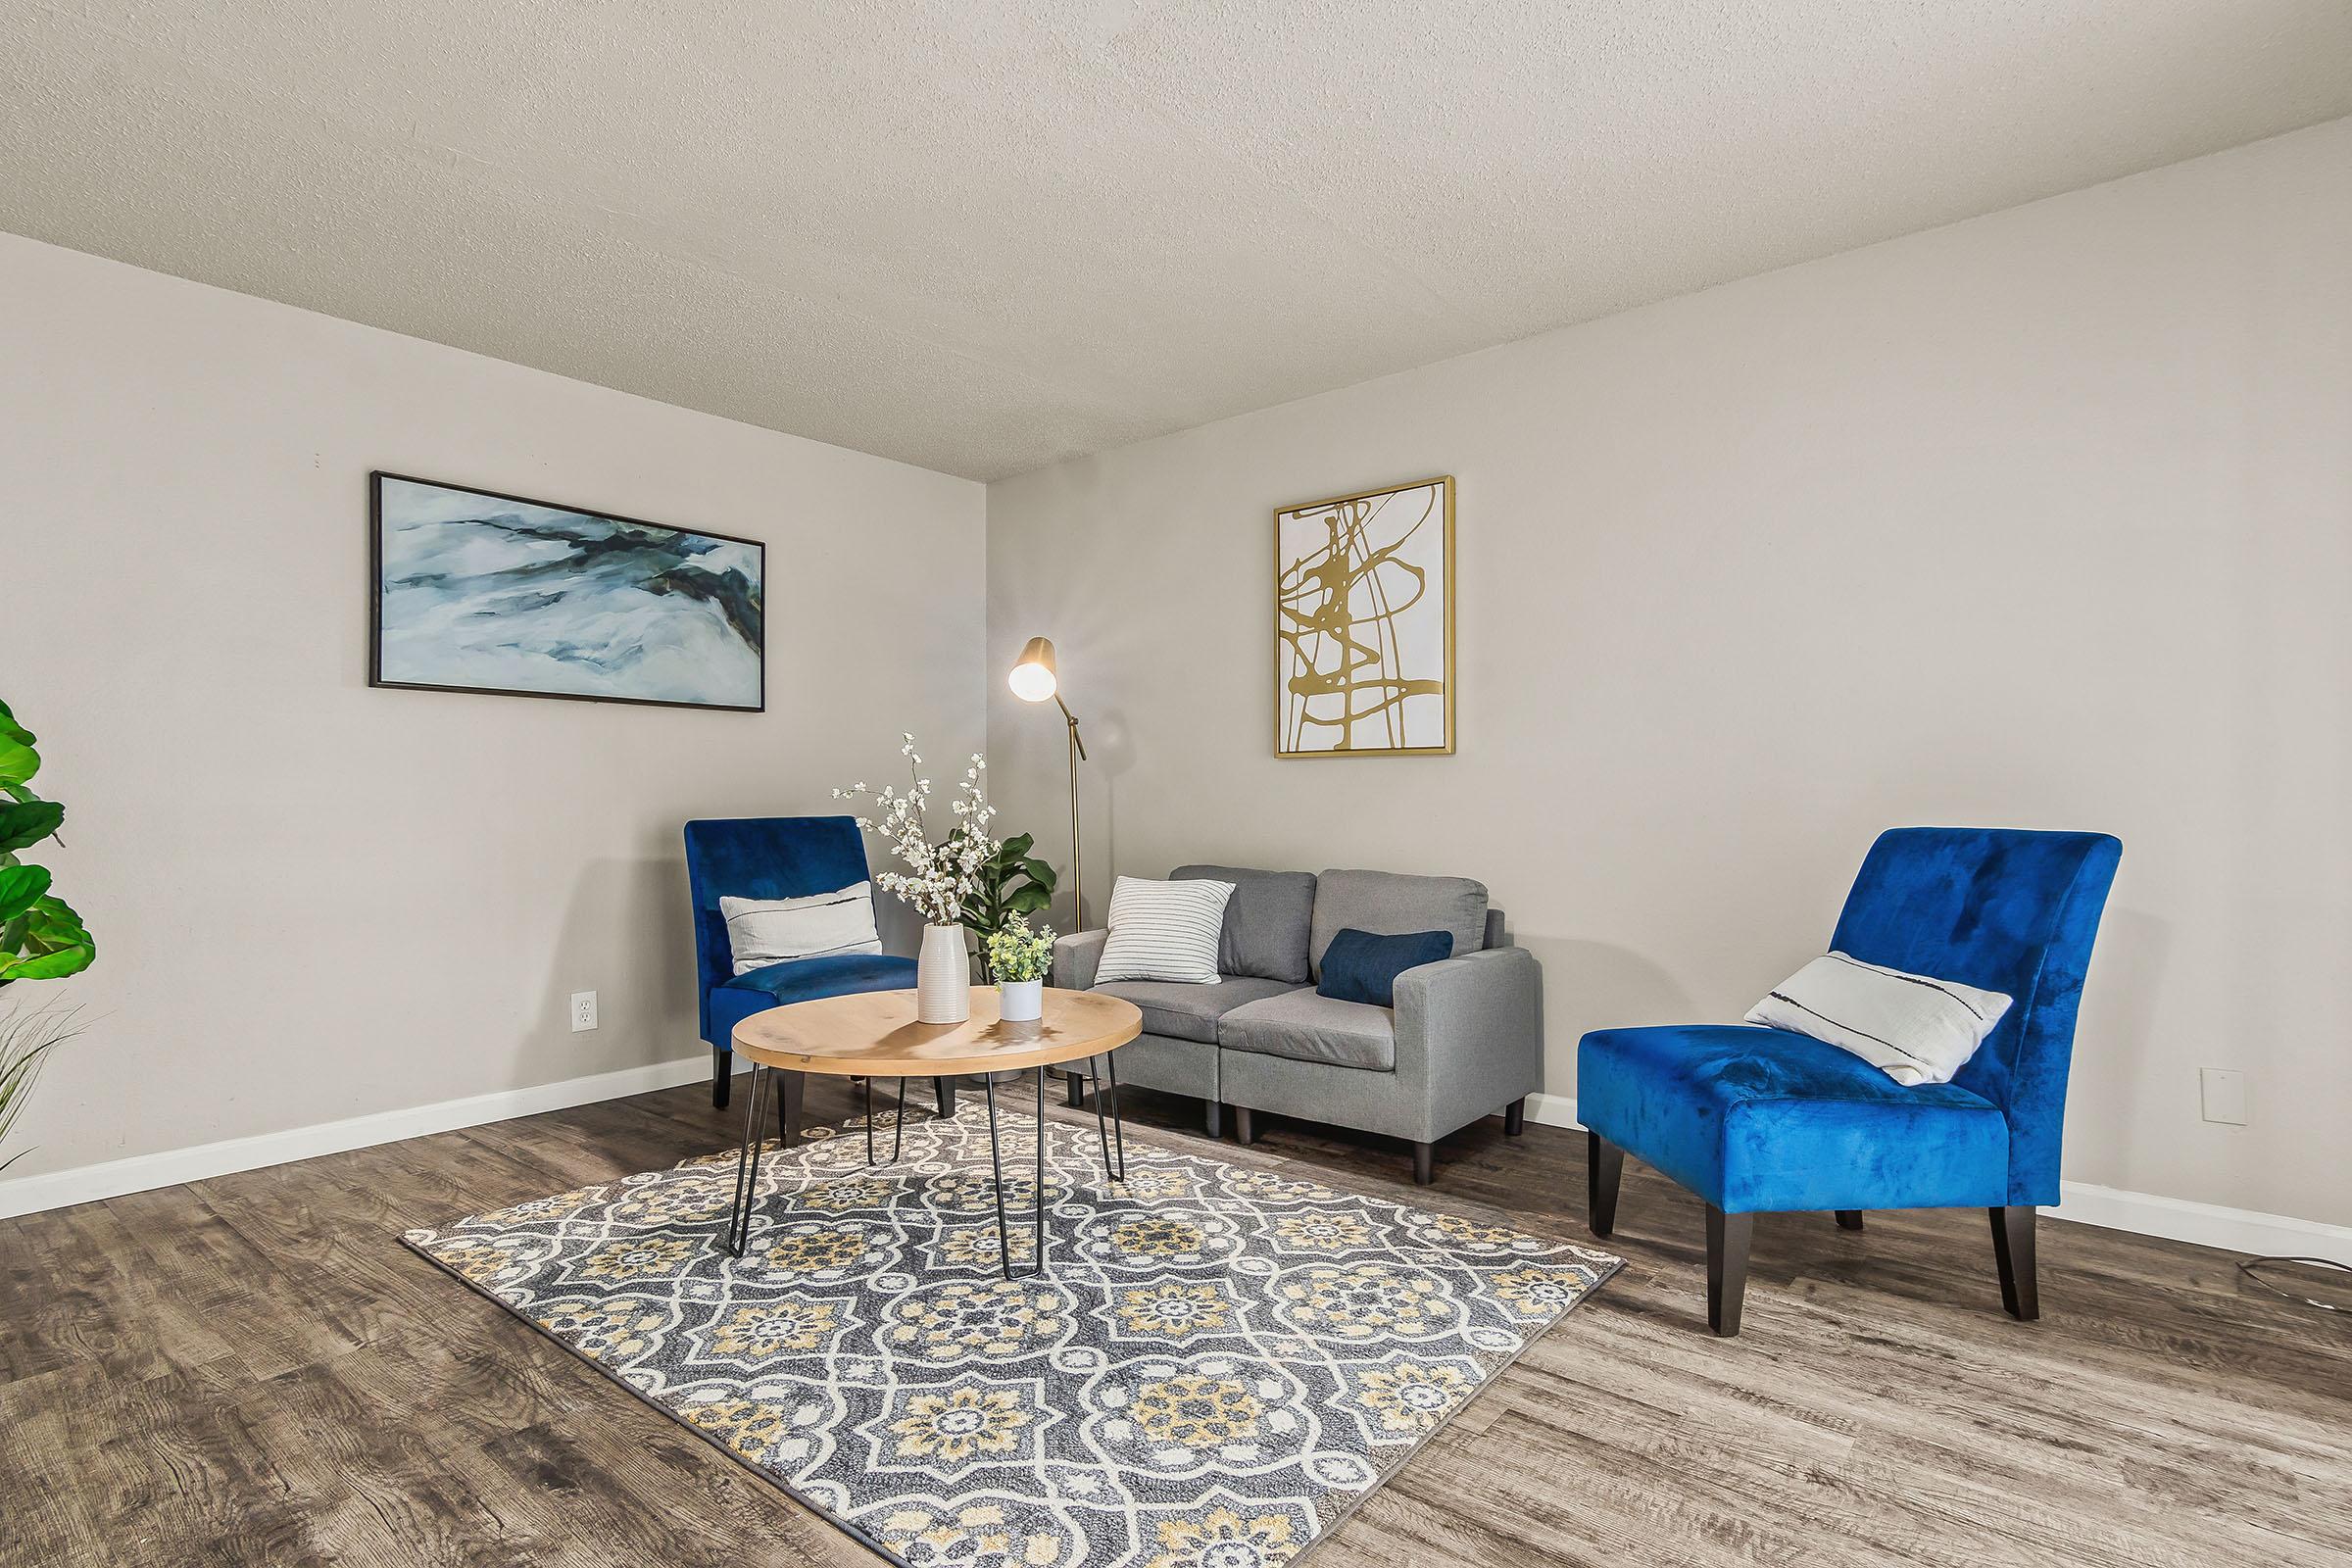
(875, 1034)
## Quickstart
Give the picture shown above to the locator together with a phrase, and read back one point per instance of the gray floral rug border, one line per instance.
(1222, 1362)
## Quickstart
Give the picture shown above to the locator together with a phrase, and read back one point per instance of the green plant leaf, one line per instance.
(1040, 873)
(54, 942)
(20, 888)
(1018, 848)
(28, 822)
(19, 762)
(1028, 899)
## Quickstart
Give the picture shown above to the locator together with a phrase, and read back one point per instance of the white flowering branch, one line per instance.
(938, 876)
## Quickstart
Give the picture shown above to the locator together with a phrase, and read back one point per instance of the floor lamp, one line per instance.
(1032, 681)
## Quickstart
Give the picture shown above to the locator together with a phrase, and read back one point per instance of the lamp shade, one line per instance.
(1032, 679)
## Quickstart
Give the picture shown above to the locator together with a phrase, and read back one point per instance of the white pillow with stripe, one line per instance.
(1164, 930)
(766, 931)
(1912, 1027)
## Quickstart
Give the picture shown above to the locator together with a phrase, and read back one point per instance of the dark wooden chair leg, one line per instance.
(1425, 1160)
(1727, 1235)
(788, 1107)
(1604, 1168)
(2013, 1250)
(1514, 1117)
(1849, 1219)
(1245, 1127)
(1076, 1086)
(945, 1088)
(1216, 1120)
(722, 1076)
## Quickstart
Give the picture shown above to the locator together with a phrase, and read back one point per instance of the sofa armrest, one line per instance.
(1473, 1028)
(1075, 957)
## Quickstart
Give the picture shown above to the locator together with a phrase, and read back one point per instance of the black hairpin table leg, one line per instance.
(996, 1166)
(747, 1165)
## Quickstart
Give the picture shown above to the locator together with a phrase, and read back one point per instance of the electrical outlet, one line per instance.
(583, 1010)
(2225, 1095)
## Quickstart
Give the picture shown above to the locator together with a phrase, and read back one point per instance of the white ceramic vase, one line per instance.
(943, 977)
(1020, 1000)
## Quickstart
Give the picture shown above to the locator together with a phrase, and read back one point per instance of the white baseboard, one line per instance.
(2176, 1219)
(85, 1183)
(2232, 1230)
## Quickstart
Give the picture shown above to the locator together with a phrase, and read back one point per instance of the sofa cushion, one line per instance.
(1390, 903)
(1267, 920)
(1766, 1119)
(1304, 1026)
(1188, 1011)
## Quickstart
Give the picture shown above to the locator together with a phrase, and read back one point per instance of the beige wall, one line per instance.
(2044, 518)
(317, 900)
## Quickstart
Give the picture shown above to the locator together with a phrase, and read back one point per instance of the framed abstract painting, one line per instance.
(476, 591)
(1363, 623)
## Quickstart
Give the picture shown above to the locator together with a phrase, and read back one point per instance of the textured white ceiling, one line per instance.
(982, 238)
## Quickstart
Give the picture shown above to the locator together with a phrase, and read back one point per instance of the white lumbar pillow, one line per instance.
(1164, 930)
(766, 931)
(1912, 1027)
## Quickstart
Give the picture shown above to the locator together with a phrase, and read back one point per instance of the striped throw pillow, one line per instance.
(1913, 1028)
(1164, 930)
(766, 931)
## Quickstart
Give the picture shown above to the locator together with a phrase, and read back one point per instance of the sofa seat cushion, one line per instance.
(1189, 1012)
(1267, 920)
(1390, 903)
(803, 980)
(1304, 1026)
(1755, 1120)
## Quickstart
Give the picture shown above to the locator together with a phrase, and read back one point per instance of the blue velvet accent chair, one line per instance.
(1758, 1120)
(773, 857)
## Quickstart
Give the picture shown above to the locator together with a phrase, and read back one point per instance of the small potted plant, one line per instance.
(1020, 959)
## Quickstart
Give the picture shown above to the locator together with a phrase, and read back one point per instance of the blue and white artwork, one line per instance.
(483, 592)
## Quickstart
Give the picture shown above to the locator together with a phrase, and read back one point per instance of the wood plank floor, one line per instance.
(253, 1370)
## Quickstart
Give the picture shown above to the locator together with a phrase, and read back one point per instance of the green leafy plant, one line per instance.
(1013, 952)
(41, 938)
(1009, 883)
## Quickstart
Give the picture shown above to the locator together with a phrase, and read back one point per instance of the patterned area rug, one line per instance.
(1222, 1361)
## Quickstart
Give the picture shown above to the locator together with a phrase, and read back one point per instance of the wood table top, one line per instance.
(874, 1033)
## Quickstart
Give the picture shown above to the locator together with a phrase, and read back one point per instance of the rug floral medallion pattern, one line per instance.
(1220, 1363)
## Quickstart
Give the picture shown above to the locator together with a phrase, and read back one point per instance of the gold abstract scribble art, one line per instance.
(1363, 622)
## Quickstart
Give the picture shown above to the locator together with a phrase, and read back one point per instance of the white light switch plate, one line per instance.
(2225, 1095)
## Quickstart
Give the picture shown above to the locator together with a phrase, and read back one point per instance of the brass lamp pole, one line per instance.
(1033, 680)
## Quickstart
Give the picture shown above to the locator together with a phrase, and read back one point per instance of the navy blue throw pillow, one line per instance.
(1359, 966)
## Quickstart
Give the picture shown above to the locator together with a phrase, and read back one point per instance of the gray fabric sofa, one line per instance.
(1465, 1039)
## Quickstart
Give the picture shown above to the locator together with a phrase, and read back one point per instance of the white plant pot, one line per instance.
(943, 977)
(1021, 1001)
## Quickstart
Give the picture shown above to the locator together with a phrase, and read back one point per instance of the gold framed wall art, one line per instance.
(1363, 623)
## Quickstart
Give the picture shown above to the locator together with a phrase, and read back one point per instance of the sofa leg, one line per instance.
(2013, 1250)
(1849, 1219)
(1245, 1129)
(1216, 1120)
(1424, 1164)
(1514, 1117)
(1727, 1235)
(722, 1076)
(1604, 1168)
(945, 1088)
(1076, 1087)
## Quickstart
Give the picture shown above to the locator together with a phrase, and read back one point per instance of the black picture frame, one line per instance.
(376, 597)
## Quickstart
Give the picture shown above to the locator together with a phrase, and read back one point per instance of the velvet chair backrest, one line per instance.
(761, 857)
(2009, 910)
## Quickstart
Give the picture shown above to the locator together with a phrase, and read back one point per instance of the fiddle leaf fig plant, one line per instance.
(41, 937)
(1011, 882)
